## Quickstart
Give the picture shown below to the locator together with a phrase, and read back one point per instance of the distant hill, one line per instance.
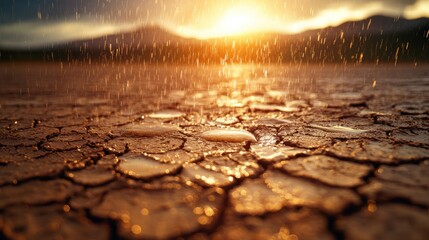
(377, 25)
(147, 35)
(375, 39)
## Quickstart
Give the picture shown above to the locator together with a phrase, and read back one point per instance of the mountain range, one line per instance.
(375, 39)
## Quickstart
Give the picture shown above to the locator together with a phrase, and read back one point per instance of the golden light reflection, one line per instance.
(136, 229)
(372, 206)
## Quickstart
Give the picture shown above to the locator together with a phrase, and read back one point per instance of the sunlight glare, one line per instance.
(235, 21)
(238, 20)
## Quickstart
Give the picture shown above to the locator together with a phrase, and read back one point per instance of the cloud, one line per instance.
(36, 34)
(417, 10)
(342, 14)
(331, 16)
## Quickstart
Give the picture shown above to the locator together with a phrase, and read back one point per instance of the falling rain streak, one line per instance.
(244, 119)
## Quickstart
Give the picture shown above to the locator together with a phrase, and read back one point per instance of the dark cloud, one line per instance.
(97, 10)
(179, 10)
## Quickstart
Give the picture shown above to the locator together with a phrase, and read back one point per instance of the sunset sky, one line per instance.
(39, 22)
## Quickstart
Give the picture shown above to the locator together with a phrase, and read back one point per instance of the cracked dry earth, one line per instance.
(237, 152)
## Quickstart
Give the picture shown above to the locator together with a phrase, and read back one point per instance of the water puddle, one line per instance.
(143, 167)
(365, 113)
(228, 135)
(275, 154)
(272, 122)
(339, 129)
(297, 103)
(167, 114)
(229, 102)
(177, 95)
(348, 96)
(91, 101)
(148, 130)
(277, 94)
(201, 99)
(319, 104)
(228, 120)
(269, 107)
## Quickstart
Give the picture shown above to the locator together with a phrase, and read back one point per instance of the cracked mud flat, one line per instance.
(235, 152)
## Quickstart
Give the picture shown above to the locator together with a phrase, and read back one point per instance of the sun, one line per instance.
(233, 21)
(238, 20)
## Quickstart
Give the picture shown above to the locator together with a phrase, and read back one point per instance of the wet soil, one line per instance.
(219, 152)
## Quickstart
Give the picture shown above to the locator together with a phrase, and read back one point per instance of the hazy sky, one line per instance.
(26, 23)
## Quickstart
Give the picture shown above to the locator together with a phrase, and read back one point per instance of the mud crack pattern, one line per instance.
(228, 152)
